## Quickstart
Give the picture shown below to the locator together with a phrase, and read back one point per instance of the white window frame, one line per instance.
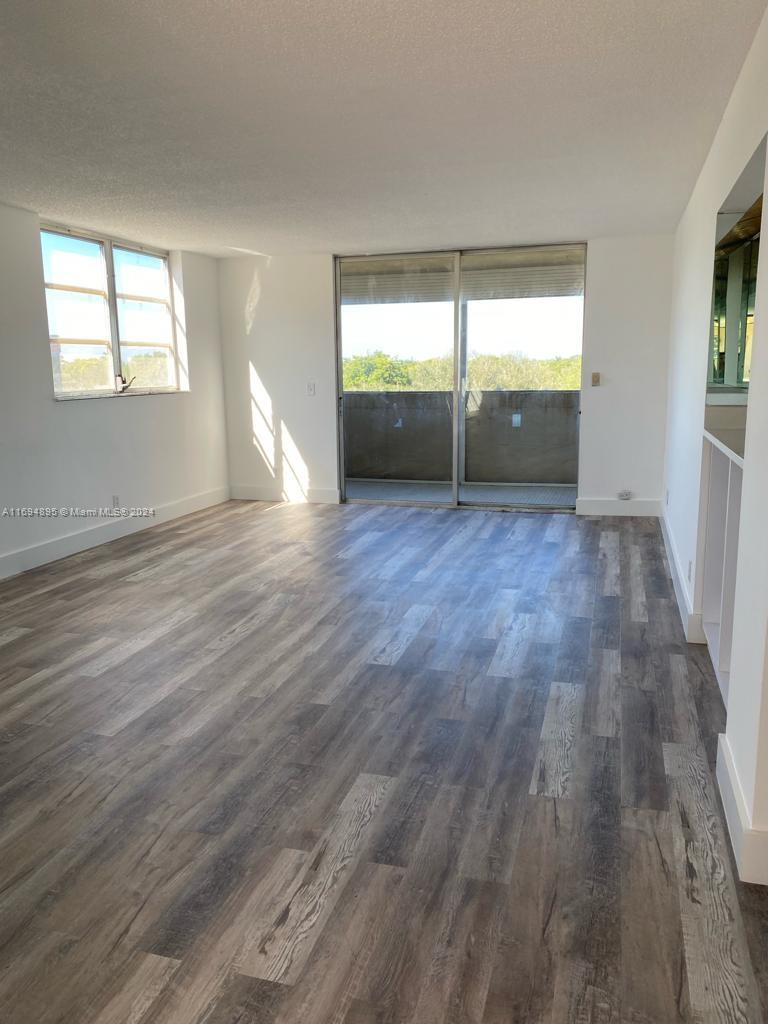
(107, 242)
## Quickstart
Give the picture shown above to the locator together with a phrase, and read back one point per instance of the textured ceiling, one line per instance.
(354, 126)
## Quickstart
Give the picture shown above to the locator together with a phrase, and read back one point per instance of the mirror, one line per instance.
(737, 249)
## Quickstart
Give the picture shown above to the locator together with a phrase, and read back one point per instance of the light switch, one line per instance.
(595, 380)
(310, 389)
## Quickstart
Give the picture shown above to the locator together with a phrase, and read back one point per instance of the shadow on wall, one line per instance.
(270, 434)
(274, 443)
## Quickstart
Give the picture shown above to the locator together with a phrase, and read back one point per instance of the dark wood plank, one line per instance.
(525, 963)
(643, 780)
(654, 977)
(721, 981)
(587, 985)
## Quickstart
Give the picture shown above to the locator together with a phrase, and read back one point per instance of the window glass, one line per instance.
(140, 274)
(77, 316)
(144, 319)
(79, 368)
(93, 287)
(77, 301)
(523, 319)
(149, 367)
(78, 262)
(144, 322)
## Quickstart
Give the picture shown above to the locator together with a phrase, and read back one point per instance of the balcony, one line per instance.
(521, 447)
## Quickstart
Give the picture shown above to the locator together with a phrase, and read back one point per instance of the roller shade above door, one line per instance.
(397, 279)
(532, 272)
(535, 272)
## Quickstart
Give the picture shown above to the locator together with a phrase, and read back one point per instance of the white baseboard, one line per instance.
(324, 496)
(693, 625)
(750, 845)
(245, 492)
(615, 507)
(315, 495)
(18, 561)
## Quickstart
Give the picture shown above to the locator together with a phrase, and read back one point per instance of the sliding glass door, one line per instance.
(397, 374)
(520, 351)
(460, 376)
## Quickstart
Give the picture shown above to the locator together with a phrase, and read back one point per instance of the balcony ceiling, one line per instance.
(352, 126)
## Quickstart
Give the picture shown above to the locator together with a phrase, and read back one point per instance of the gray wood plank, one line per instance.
(720, 978)
(553, 771)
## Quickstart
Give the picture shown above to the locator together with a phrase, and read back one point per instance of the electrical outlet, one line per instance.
(310, 389)
(690, 570)
(625, 495)
(595, 380)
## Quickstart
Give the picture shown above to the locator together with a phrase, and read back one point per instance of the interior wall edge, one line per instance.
(750, 845)
(14, 562)
(741, 129)
(693, 625)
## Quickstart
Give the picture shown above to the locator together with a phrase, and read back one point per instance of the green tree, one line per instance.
(432, 374)
(91, 374)
(149, 368)
(378, 371)
(521, 373)
(375, 372)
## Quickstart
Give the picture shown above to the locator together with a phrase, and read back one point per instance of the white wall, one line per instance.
(277, 316)
(162, 451)
(744, 124)
(277, 323)
(626, 340)
(743, 760)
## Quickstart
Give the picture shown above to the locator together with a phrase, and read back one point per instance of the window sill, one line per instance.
(81, 396)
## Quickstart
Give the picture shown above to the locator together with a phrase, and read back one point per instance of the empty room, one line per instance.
(383, 489)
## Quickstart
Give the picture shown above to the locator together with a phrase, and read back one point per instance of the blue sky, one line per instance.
(540, 328)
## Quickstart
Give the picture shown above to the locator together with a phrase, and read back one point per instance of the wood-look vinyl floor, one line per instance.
(364, 765)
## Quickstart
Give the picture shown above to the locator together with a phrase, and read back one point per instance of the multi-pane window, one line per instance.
(110, 316)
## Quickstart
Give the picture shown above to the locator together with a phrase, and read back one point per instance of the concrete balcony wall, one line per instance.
(398, 435)
(512, 436)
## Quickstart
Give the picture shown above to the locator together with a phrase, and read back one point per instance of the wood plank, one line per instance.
(513, 645)
(552, 773)
(602, 703)
(721, 981)
(283, 943)
(525, 962)
(201, 985)
(643, 780)
(609, 564)
(141, 989)
(393, 642)
(587, 977)
(330, 982)
(413, 927)
(654, 978)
